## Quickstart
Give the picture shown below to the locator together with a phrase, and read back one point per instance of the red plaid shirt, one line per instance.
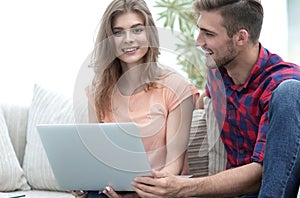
(242, 110)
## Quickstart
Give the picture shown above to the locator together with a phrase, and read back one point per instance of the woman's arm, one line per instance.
(178, 130)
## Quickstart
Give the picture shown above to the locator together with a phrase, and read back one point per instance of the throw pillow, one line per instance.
(198, 147)
(11, 174)
(216, 151)
(47, 107)
(16, 117)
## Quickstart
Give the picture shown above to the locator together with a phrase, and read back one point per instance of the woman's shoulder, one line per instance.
(171, 76)
(176, 83)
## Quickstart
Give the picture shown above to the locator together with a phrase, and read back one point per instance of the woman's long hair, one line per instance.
(107, 66)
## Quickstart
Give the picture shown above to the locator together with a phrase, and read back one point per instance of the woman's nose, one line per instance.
(129, 37)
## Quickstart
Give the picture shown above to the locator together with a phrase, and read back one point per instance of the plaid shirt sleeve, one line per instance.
(259, 148)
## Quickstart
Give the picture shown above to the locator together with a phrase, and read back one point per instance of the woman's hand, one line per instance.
(79, 193)
(111, 193)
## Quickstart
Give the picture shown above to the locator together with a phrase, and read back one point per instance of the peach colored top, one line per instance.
(150, 110)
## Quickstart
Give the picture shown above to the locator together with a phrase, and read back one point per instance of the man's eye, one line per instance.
(209, 34)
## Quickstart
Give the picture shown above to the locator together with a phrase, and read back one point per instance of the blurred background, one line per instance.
(46, 42)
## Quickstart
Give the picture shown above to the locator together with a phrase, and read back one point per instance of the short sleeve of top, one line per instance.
(177, 89)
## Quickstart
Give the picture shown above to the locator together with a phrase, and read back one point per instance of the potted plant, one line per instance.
(178, 14)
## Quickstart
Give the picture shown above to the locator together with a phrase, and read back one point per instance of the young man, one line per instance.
(261, 110)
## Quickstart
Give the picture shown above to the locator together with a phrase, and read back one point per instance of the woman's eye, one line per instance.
(137, 30)
(118, 33)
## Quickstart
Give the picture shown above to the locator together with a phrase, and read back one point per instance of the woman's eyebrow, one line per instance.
(136, 25)
(133, 26)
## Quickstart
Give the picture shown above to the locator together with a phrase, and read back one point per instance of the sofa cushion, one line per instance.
(11, 174)
(47, 107)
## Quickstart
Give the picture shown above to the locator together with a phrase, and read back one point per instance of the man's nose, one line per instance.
(200, 42)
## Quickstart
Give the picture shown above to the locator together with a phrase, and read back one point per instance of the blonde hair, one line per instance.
(107, 66)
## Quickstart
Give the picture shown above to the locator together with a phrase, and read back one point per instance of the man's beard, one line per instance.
(224, 60)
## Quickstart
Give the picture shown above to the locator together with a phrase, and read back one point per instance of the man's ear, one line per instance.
(242, 37)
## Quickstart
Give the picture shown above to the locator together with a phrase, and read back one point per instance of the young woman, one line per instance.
(130, 86)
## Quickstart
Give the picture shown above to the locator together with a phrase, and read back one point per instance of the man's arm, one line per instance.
(233, 182)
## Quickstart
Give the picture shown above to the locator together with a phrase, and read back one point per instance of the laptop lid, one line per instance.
(91, 156)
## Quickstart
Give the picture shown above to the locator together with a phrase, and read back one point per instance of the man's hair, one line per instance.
(237, 14)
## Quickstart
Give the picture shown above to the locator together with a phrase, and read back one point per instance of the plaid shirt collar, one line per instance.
(257, 69)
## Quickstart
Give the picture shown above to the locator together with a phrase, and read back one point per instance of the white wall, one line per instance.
(294, 31)
(274, 35)
(46, 42)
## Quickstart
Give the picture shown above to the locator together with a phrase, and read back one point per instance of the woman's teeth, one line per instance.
(129, 49)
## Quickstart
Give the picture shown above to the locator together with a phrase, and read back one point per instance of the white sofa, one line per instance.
(25, 170)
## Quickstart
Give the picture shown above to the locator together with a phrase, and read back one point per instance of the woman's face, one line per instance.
(130, 39)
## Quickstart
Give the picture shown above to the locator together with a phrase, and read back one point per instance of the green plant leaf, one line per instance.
(189, 57)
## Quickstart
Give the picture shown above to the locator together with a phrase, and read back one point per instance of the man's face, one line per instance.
(213, 39)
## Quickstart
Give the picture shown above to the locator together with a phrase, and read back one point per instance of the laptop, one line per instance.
(92, 156)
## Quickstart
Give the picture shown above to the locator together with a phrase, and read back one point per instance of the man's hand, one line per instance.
(162, 184)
